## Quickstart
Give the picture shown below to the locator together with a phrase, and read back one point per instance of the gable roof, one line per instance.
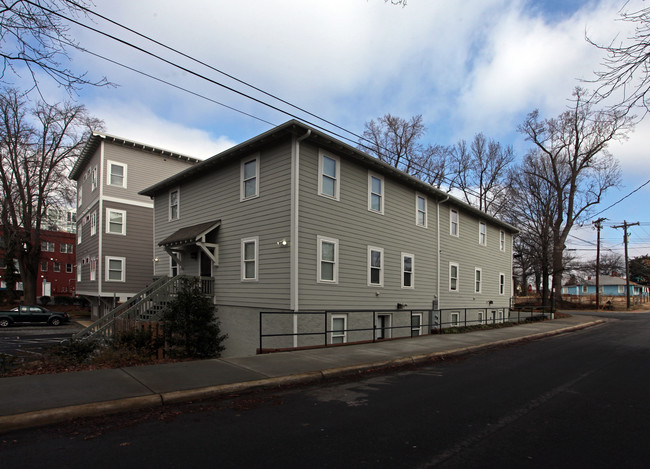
(321, 139)
(190, 234)
(603, 280)
(97, 137)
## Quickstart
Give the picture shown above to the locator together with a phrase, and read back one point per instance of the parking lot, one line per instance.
(32, 339)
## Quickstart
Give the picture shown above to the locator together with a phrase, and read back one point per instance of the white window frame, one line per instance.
(457, 278)
(93, 269)
(382, 195)
(479, 317)
(502, 241)
(109, 173)
(43, 266)
(108, 221)
(79, 195)
(256, 241)
(337, 175)
(79, 229)
(176, 190)
(452, 223)
(478, 280)
(454, 319)
(175, 265)
(482, 233)
(621, 289)
(79, 272)
(412, 272)
(502, 284)
(319, 277)
(68, 268)
(93, 179)
(242, 180)
(56, 266)
(108, 260)
(343, 335)
(418, 329)
(371, 267)
(93, 224)
(418, 210)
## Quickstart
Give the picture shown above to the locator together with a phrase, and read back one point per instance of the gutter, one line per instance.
(293, 246)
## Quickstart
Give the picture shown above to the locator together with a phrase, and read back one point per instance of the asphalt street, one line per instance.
(32, 338)
(573, 400)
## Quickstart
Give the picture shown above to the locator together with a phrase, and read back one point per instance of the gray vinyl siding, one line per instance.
(143, 169)
(135, 246)
(88, 249)
(355, 227)
(466, 251)
(89, 197)
(216, 195)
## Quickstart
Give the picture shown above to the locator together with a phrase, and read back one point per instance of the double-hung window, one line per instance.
(375, 193)
(420, 210)
(80, 196)
(115, 269)
(174, 204)
(502, 284)
(115, 221)
(478, 278)
(339, 329)
(68, 268)
(250, 178)
(93, 269)
(375, 266)
(453, 222)
(93, 179)
(249, 255)
(408, 268)
(453, 276)
(329, 170)
(116, 175)
(482, 234)
(79, 272)
(328, 260)
(502, 241)
(93, 224)
(56, 267)
(43, 266)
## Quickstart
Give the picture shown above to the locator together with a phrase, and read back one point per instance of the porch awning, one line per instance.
(190, 234)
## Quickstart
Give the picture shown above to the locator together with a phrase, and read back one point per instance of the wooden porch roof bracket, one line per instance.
(193, 235)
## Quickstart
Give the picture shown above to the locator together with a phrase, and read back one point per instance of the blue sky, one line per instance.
(467, 67)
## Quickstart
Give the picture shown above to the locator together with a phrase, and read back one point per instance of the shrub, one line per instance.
(62, 300)
(8, 363)
(75, 352)
(189, 324)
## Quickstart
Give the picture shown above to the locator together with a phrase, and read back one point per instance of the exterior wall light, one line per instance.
(283, 243)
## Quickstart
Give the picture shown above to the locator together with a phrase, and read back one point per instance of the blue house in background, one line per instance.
(609, 286)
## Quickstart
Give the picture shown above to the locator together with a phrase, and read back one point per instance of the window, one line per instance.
(502, 284)
(455, 319)
(329, 171)
(328, 260)
(93, 179)
(174, 204)
(621, 289)
(93, 269)
(174, 266)
(375, 266)
(375, 193)
(477, 280)
(416, 324)
(585, 288)
(249, 254)
(453, 222)
(93, 224)
(482, 234)
(47, 246)
(44, 266)
(502, 241)
(79, 196)
(338, 334)
(479, 318)
(453, 277)
(68, 268)
(250, 174)
(66, 248)
(420, 210)
(57, 267)
(79, 272)
(407, 271)
(79, 228)
(116, 174)
(115, 269)
(115, 221)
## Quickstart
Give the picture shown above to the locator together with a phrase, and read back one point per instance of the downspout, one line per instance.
(438, 243)
(293, 246)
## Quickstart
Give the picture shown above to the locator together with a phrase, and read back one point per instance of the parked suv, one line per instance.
(32, 314)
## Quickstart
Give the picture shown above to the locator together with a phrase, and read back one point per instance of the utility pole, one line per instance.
(598, 224)
(625, 225)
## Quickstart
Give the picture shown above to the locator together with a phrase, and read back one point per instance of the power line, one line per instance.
(621, 200)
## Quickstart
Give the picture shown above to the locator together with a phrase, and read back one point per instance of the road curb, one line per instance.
(50, 416)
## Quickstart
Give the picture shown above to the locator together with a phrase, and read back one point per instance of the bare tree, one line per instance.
(577, 166)
(34, 39)
(37, 149)
(625, 67)
(480, 172)
(396, 141)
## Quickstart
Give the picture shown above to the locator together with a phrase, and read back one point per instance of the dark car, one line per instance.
(22, 314)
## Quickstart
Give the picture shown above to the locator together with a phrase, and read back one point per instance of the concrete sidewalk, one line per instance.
(28, 401)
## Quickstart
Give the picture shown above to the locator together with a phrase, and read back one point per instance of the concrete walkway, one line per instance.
(28, 401)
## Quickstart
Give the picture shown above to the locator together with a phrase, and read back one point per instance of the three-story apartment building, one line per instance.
(296, 220)
(114, 223)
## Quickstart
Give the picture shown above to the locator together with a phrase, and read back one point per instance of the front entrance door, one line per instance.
(206, 265)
